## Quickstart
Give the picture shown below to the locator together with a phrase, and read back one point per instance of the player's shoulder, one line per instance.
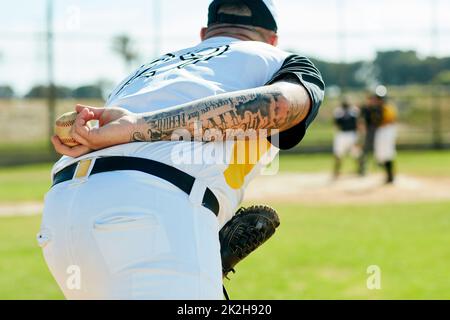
(390, 106)
(259, 45)
(268, 51)
(256, 50)
(261, 50)
(354, 110)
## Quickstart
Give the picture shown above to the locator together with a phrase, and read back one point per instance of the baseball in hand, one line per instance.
(63, 125)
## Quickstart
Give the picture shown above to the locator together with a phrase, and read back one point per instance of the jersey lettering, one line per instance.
(170, 62)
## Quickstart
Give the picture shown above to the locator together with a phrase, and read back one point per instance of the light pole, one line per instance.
(50, 68)
(436, 112)
(341, 31)
(341, 41)
(157, 39)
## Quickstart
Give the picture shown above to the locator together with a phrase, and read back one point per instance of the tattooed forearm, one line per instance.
(138, 137)
(280, 106)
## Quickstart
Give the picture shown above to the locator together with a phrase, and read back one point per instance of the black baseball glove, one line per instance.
(244, 233)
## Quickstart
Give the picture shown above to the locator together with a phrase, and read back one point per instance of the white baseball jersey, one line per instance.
(215, 66)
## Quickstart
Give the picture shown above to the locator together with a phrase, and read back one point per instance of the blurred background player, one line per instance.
(386, 134)
(379, 118)
(371, 116)
(346, 137)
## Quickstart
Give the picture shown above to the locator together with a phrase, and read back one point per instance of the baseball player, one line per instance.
(136, 208)
(346, 138)
(381, 133)
(385, 137)
(371, 116)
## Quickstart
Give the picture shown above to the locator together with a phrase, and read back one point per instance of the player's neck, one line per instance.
(241, 33)
(229, 35)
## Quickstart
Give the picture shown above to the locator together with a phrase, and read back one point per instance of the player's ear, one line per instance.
(203, 33)
(273, 40)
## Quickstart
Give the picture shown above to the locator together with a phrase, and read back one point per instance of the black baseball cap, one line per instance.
(264, 14)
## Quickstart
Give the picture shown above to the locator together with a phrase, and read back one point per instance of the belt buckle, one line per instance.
(83, 170)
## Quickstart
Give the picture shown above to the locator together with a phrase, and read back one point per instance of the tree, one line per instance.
(88, 92)
(405, 67)
(123, 46)
(6, 92)
(442, 78)
(397, 67)
(41, 91)
(340, 74)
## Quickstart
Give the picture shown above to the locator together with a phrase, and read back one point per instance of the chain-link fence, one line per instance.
(79, 35)
(424, 122)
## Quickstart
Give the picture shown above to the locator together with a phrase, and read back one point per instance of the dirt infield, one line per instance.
(321, 189)
(315, 189)
(21, 209)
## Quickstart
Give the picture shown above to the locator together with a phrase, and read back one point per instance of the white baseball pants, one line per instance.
(385, 143)
(344, 143)
(129, 235)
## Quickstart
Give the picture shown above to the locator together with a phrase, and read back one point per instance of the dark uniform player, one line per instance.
(346, 137)
(371, 115)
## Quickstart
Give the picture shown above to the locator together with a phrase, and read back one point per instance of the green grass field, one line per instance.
(319, 252)
(24, 183)
(23, 273)
(324, 252)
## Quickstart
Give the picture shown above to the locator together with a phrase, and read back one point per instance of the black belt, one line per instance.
(176, 177)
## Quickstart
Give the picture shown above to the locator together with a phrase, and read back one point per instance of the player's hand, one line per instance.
(73, 152)
(116, 126)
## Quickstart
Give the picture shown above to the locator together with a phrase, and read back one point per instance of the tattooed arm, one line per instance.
(280, 106)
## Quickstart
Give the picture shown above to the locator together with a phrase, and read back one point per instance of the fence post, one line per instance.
(50, 71)
(436, 117)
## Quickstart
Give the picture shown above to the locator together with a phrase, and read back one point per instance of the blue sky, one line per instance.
(84, 29)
